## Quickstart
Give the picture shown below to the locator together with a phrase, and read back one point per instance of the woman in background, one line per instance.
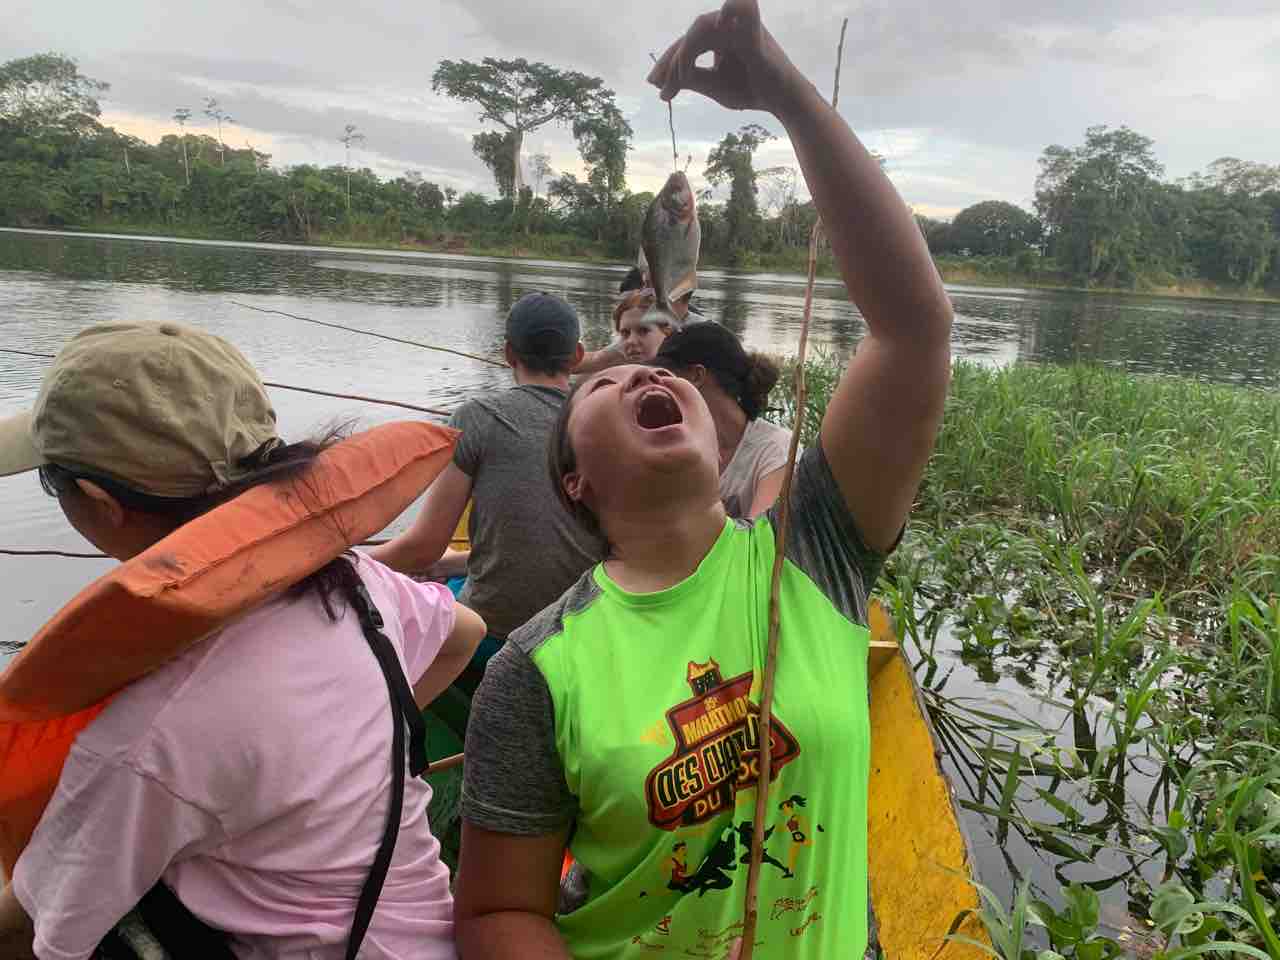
(735, 384)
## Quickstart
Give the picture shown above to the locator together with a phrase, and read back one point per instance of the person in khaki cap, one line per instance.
(245, 784)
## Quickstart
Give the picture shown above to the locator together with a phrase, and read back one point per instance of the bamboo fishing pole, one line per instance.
(435, 411)
(764, 751)
(370, 333)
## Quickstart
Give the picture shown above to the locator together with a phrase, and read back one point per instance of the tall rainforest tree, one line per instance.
(47, 93)
(603, 141)
(350, 137)
(1107, 214)
(497, 152)
(519, 96)
(732, 162)
(181, 116)
(540, 167)
(213, 110)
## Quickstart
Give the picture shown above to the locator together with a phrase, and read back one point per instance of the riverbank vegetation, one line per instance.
(1103, 552)
(1104, 216)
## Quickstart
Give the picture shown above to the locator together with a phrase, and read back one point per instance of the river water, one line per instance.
(52, 285)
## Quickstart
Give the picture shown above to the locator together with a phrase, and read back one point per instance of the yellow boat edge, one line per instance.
(920, 859)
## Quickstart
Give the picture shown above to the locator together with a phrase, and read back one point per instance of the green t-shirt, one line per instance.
(633, 717)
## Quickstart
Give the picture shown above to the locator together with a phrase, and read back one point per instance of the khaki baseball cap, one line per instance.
(162, 408)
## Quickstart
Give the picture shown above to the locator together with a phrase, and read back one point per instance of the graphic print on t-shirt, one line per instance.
(713, 872)
(717, 736)
(726, 861)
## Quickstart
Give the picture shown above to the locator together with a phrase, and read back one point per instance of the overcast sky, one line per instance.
(960, 97)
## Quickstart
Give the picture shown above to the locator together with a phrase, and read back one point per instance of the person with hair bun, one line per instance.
(735, 384)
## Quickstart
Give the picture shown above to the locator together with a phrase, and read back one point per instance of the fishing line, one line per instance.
(765, 719)
(370, 333)
(434, 411)
(671, 123)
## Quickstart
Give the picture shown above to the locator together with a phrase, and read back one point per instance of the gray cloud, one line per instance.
(961, 99)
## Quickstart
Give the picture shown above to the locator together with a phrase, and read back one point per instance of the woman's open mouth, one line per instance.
(657, 409)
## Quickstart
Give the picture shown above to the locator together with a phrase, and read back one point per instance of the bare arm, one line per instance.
(17, 934)
(506, 894)
(459, 647)
(452, 564)
(593, 361)
(880, 425)
(425, 542)
(881, 422)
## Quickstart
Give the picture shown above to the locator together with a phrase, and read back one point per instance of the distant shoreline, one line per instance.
(957, 274)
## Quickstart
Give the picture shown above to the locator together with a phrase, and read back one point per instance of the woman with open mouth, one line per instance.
(621, 722)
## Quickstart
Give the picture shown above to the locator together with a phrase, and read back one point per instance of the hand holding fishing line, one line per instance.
(750, 72)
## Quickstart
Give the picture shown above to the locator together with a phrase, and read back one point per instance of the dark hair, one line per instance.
(540, 359)
(272, 462)
(562, 460)
(747, 377)
(634, 280)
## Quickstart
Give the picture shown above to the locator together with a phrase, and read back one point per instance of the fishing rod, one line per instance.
(370, 333)
(765, 738)
(434, 411)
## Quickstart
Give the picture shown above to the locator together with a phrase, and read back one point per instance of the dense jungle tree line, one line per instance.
(1103, 215)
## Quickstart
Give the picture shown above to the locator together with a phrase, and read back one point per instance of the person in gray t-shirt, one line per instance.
(736, 386)
(525, 548)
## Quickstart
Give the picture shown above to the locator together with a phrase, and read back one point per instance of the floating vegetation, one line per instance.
(1090, 591)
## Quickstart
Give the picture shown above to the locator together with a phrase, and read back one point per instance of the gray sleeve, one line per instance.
(824, 541)
(470, 419)
(513, 781)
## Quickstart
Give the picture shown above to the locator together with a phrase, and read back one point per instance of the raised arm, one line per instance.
(593, 361)
(881, 423)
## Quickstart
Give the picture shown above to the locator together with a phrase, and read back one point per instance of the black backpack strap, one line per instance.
(181, 933)
(404, 711)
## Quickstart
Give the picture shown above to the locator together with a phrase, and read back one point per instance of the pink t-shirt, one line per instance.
(252, 775)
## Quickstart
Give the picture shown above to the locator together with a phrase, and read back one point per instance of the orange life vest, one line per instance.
(189, 585)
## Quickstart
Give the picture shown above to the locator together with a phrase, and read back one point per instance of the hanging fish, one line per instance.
(669, 246)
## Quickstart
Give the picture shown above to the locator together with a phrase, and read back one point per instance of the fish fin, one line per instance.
(683, 286)
(663, 315)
